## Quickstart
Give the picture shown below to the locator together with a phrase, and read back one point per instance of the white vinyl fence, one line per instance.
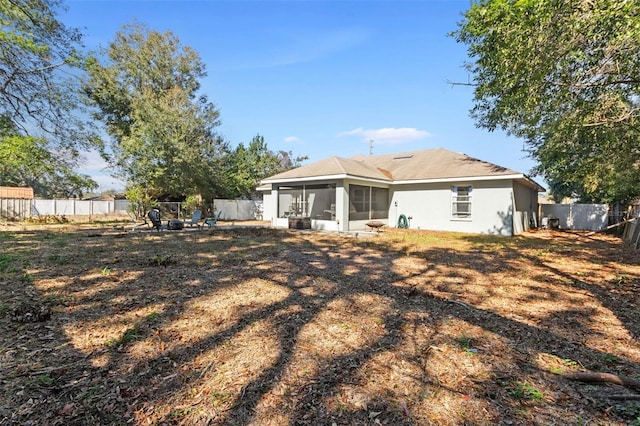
(18, 209)
(588, 217)
(238, 209)
(13, 208)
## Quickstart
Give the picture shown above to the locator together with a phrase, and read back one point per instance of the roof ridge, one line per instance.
(338, 161)
(364, 158)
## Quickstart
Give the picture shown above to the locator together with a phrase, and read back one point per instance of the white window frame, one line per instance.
(457, 200)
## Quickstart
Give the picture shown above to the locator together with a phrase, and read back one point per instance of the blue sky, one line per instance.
(320, 78)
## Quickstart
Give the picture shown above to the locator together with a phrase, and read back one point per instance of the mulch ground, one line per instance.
(256, 326)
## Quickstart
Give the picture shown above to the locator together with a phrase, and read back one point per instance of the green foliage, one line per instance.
(191, 203)
(563, 76)
(153, 316)
(4, 308)
(28, 161)
(162, 131)
(466, 345)
(219, 398)
(39, 60)
(160, 260)
(523, 390)
(42, 380)
(48, 218)
(253, 163)
(629, 410)
(39, 93)
(7, 263)
(140, 200)
(128, 336)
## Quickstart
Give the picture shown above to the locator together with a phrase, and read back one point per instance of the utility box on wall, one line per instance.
(299, 222)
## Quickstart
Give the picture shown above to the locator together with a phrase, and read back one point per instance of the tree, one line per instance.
(27, 161)
(565, 77)
(41, 130)
(38, 59)
(162, 132)
(253, 163)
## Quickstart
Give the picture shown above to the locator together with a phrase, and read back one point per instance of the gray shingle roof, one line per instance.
(436, 163)
(333, 166)
(430, 164)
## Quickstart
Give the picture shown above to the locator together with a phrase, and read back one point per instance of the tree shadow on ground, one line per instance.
(279, 327)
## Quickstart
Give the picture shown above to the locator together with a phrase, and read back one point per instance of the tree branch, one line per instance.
(591, 377)
(15, 74)
(453, 83)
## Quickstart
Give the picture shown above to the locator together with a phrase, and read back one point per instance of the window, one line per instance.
(367, 202)
(461, 202)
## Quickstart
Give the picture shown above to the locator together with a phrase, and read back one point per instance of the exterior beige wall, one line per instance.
(429, 207)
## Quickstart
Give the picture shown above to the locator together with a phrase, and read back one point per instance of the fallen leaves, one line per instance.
(280, 327)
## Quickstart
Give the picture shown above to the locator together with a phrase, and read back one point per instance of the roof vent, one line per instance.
(403, 157)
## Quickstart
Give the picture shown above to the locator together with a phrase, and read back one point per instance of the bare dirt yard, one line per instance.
(256, 326)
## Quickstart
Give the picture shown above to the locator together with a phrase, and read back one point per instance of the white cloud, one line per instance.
(292, 139)
(388, 135)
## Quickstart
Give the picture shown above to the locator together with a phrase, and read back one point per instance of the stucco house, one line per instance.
(433, 189)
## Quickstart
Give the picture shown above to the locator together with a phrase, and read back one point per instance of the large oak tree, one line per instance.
(564, 75)
(145, 89)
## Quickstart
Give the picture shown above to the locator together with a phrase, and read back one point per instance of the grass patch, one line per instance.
(465, 344)
(42, 380)
(127, 337)
(7, 263)
(4, 308)
(153, 316)
(523, 390)
(161, 260)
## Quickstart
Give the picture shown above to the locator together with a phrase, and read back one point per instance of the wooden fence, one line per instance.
(631, 232)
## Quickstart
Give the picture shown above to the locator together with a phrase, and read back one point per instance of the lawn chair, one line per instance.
(136, 221)
(211, 221)
(154, 217)
(195, 219)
